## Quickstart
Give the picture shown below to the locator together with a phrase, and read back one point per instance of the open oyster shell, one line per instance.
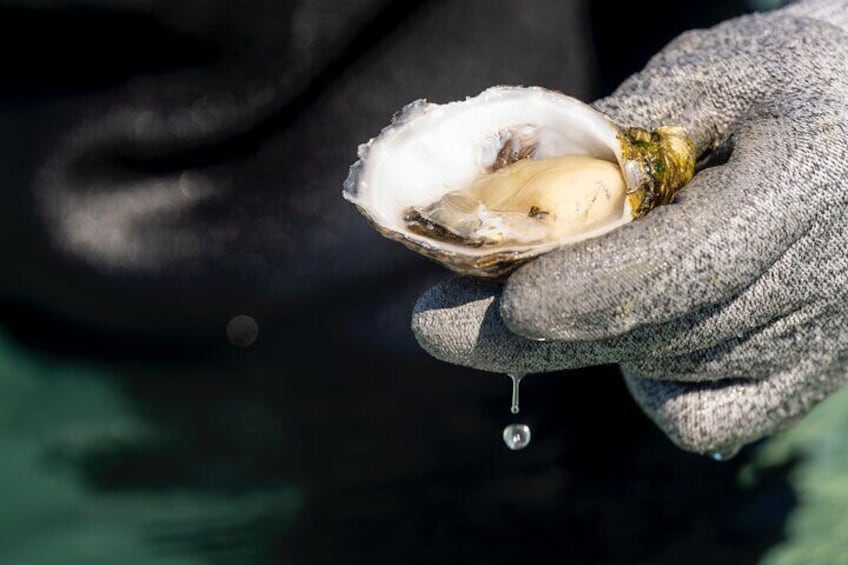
(485, 184)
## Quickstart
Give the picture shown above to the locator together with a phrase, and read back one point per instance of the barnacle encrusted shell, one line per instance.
(425, 180)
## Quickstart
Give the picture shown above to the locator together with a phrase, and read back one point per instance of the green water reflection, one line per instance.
(54, 415)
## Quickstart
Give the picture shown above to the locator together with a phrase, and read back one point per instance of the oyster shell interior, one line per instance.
(528, 202)
(484, 184)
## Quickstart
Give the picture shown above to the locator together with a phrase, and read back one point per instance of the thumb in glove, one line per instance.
(727, 308)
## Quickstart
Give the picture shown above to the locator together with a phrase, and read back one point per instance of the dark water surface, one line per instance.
(251, 460)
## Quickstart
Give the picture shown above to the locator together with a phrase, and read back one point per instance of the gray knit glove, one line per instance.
(727, 310)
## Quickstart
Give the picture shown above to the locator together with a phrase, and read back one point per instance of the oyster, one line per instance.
(485, 184)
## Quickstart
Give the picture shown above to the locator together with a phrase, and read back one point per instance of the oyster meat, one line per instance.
(485, 184)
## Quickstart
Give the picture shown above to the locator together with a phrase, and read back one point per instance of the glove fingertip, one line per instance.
(687, 428)
(446, 319)
(520, 307)
(706, 418)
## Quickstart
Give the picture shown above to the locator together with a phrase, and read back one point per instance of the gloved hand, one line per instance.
(727, 310)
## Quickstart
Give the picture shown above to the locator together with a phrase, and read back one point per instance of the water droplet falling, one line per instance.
(516, 436)
(516, 380)
(725, 454)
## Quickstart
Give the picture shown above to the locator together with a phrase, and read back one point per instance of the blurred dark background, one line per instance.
(205, 354)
